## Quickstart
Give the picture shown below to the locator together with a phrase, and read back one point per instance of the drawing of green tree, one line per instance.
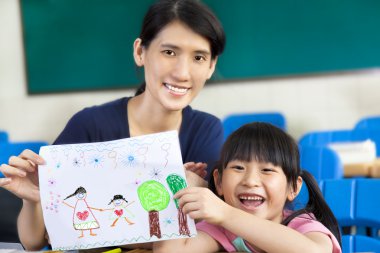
(176, 183)
(154, 198)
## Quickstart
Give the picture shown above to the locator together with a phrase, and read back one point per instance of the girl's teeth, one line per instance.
(251, 198)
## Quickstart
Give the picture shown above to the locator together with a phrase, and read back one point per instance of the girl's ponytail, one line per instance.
(317, 206)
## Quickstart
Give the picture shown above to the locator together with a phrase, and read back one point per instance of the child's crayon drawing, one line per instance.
(113, 193)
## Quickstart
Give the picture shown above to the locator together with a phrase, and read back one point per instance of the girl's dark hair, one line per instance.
(192, 13)
(80, 189)
(264, 142)
(116, 197)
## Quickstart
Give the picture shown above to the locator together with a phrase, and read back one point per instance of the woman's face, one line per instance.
(177, 64)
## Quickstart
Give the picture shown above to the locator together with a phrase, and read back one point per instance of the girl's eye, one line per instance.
(237, 167)
(200, 58)
(267, 170)
(169, 52)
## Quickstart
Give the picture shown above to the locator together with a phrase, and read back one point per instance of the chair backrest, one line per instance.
(372, 122)
(15, 148)
(3, 136)
(367, 205)
(321, 162)
(324, 138)
(354, 202)
(340, 196)
(234, 121)
(360, 243)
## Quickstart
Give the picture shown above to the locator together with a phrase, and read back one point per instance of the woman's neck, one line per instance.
(145, 117)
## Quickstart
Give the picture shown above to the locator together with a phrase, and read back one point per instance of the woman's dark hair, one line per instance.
(116, 197)
(192, 13)
(80, 189)
(264, 142)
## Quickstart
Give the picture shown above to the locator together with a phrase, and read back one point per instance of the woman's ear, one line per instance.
(212, 67)
(294, 193)
(217, 182)
(138, 51)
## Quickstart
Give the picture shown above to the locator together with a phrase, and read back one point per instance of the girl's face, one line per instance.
(81, 195)
(117, 202)
(177, 64)
(257, 188)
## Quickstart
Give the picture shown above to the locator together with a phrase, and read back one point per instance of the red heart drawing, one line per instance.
(119, 212)
(83, 215)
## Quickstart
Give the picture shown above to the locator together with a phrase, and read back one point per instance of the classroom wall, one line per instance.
(318, 102)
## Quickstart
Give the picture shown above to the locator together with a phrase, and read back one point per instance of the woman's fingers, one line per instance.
(29, 155)
(10, 171)
(4, 181)
(22, 164)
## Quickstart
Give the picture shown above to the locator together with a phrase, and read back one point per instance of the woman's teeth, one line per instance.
(176, 89)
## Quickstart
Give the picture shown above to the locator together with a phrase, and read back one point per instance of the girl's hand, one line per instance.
(201, 203)
(21, 175)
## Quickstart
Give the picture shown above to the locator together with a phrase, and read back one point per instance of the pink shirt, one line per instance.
(231, 243)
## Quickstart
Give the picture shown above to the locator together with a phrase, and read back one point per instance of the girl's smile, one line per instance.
(250, 201)
(255, 187)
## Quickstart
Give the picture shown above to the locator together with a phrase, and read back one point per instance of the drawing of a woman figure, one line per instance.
(83, 218)
(119, 211)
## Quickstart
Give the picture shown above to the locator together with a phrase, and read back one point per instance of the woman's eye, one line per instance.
(200, 58)
(169, 52)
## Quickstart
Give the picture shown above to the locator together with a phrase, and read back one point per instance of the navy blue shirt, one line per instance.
(200, 135)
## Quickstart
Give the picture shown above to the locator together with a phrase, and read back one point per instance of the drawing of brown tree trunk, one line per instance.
(182, 220)
(154, 224)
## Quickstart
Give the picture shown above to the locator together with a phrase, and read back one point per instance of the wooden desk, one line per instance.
(369, 169)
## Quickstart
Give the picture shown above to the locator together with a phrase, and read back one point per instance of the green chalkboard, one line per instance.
(73, 45)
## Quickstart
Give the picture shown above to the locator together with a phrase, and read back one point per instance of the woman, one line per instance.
(178, 48)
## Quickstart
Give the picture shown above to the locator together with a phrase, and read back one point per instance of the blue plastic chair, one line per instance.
(234, 121)
(354, 203)
(15, 148)
(372, 122)
(341, 197)
(324, 138)
(359, 243)
(4, 136)
(367, 206)
(321, 162)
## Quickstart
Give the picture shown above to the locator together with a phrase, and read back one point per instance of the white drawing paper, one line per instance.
(113, 193)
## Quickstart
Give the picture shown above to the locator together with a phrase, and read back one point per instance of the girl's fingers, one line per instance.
(10, 171)
(28, 154)
(22, 164)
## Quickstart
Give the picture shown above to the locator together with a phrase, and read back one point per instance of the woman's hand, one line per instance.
(201, 203)
(197, 168)
(195, 174)
(21, 175)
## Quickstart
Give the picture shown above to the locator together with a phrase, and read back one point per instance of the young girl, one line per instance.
(119, 210)
(178, 48)
(83, 218)
(257, 179)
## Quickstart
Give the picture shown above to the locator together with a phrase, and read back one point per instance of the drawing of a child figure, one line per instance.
(119, 209)
(83, 218)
